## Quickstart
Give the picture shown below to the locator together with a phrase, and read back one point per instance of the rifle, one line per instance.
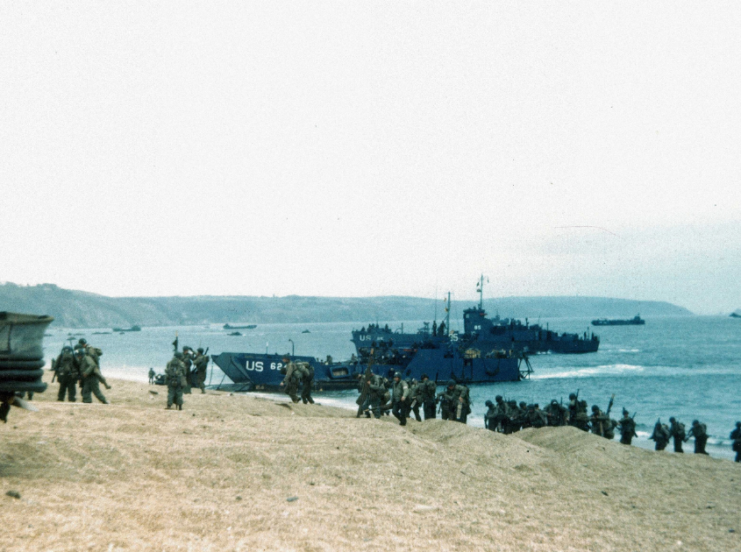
(609, 405)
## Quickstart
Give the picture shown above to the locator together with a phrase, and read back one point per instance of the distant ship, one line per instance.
(635, 321)
(735, 315)
(483, 335)
(131, 329)
(245, 327)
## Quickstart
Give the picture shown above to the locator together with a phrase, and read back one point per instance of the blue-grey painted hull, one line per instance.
(262, 371)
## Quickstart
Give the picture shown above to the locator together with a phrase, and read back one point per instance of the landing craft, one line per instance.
(257, 371)
(483, 334)
(21, 358)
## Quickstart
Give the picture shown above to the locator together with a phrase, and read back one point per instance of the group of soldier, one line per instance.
(380, 395)
(186, 369)
(79, 366)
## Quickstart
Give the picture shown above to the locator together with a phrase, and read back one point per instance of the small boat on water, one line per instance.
(244, 327)
(735, 315)
(635, 321)
(131, 329)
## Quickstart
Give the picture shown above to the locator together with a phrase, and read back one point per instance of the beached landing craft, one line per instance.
(256, 371)
(21, 357)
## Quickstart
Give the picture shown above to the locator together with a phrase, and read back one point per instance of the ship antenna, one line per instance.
(447, 315)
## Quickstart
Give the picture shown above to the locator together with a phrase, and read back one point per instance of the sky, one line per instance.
(373, 148)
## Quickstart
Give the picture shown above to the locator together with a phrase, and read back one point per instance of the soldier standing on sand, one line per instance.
(151, 376)
(736, 437)
(415, 394)
(67, 374)
(188, 361)
(676, 432)
(660, 435)
(627, 427)
(291, 381)
(307, 381)
(201, 364)
(400, 399)
(426, 395)
(91, 375)
(700, 433)
(174, 377)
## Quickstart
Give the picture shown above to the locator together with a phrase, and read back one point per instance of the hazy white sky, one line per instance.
(373, 148)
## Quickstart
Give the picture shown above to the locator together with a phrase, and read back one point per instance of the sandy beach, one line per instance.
(234, 472)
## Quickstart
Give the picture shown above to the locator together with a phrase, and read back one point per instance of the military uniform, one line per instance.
(307, 381)
(67, 374)
(187, 361)
(426, 396)
(736, 438)
(454, 402)
(700, 433)
(601, 424)
(91, 376)
(292, 379)
(537, 417)
(400, 399)
(201, 364)
(151, 376)
(677, 433)
(660, 435)
(175, 379)
(627, 427)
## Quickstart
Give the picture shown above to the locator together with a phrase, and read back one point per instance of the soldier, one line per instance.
(188, 361)
(557, 414)
(676, 432)
(175, 379)
(736, 438)
(91, 375)
(67, 374)
(201, 364)
(151, 376)
(700, 433)
(307, 380)
(581, 420)
(490, 416)
(660, 435)
(627, 427)
(400, 400)
(524, 419)
(377, 395)
(537, 417)
(415, 391)
(573, 408)
(291, 381)
(454, 402)
(601, 423)
(426, 395)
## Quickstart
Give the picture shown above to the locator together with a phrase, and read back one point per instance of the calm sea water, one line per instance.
(687, 367)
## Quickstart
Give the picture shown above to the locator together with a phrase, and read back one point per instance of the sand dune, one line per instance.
(219, 475)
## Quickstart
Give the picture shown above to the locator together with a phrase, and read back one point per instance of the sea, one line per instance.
(688, 367)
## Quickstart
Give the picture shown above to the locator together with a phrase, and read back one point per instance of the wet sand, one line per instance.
(234, 472)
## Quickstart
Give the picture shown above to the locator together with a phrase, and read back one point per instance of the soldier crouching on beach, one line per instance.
(291, 381)
(174, 377)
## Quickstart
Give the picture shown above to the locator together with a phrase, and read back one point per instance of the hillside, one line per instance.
(77, 309)
(232, 472)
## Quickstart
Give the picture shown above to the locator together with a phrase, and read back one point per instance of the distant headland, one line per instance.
(79, 309)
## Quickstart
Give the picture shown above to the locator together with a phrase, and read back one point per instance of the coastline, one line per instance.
(219, 474)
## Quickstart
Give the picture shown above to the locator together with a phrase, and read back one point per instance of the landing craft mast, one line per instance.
(480, 291)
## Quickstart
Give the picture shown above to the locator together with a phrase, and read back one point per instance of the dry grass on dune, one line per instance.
(218, 476)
